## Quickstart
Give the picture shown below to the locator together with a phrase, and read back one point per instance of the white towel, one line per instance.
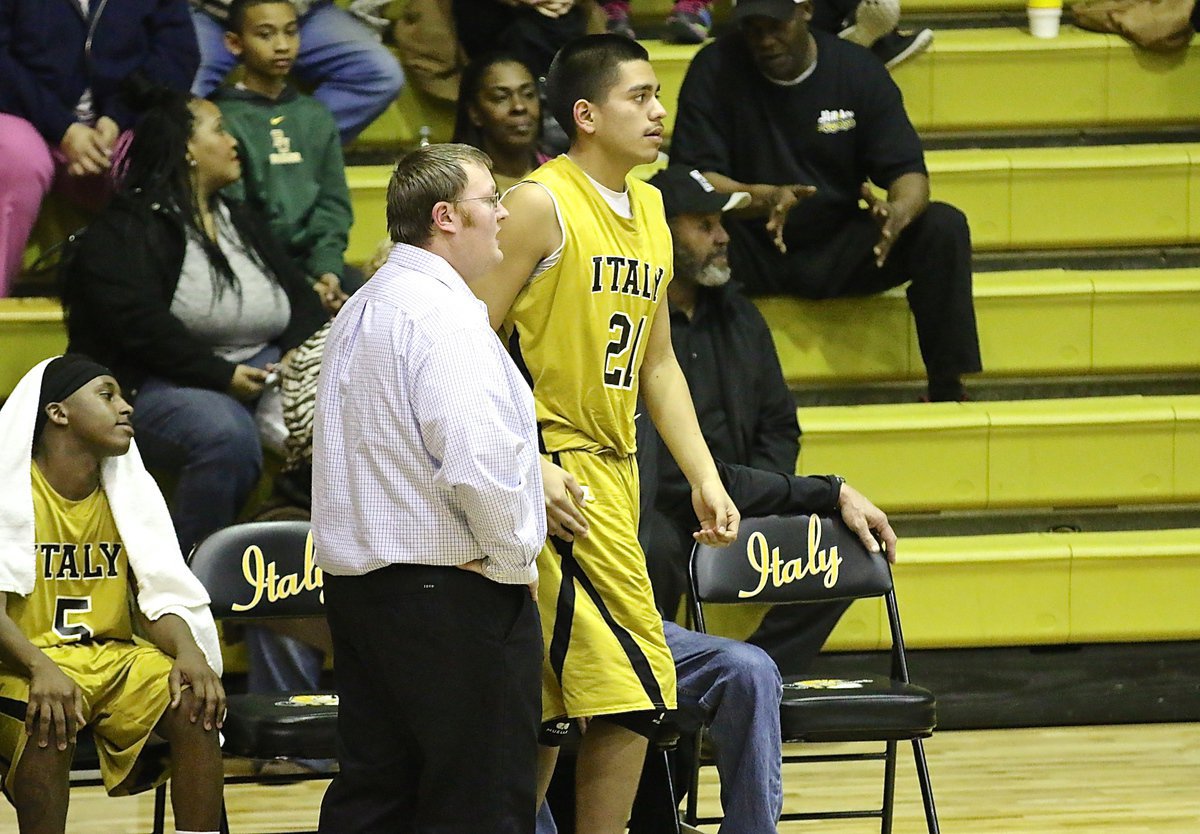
(165, 585)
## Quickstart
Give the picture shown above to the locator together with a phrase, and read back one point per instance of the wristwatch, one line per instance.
(835, 482)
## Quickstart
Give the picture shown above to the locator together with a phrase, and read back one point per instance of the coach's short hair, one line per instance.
(587, 68)
(422, 179)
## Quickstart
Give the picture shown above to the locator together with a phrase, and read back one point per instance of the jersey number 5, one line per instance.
(63, 608)
(620, 354)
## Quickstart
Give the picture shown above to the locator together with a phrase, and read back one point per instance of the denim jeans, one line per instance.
(735, 689)
(210, 439)
(352, 73)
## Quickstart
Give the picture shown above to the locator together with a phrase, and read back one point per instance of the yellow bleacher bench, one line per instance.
(1045, 322)
(928, 457)
(31, 329)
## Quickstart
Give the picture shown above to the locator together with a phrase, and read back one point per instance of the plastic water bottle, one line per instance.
(424, 134)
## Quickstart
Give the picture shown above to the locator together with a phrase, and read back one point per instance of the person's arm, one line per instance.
(669, 403)
(775, 202)
(529, 234)
(55, 710)
(331, 216)
(893, 156)
(22, 92)
(172, 60)
(191, 669)
(759, 492)
(470, 427)
(908, 197)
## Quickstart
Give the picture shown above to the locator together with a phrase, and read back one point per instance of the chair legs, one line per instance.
(885, 813)
(889, 788)
(671, 797)
(931, 819)
(160, 808)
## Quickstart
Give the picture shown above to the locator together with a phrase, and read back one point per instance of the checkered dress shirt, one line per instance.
(425, 447)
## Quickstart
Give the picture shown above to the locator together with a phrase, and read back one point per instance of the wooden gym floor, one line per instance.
(1127, 779)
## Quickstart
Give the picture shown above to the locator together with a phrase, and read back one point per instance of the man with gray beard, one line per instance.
(747, 416)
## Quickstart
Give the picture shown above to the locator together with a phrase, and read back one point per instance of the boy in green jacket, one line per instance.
(292, 168)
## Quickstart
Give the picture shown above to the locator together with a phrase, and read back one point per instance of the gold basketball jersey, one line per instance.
(579, 330)
(82, 588)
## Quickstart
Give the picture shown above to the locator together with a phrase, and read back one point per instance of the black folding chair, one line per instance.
(256, 571)
(799, 559)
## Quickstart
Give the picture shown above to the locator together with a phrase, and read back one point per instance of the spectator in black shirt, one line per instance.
(802, 121)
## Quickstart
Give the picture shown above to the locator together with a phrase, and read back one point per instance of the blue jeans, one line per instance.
(735, 689)
(352, 73)
(211, 441)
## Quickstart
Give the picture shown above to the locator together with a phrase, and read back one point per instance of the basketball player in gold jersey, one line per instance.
(580, 299)
(67, 655)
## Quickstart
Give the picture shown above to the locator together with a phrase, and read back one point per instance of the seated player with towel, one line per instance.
(84, 535)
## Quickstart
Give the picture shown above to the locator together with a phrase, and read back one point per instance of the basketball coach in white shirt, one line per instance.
(427, 516)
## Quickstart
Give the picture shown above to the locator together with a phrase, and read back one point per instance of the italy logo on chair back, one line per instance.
(771, 568)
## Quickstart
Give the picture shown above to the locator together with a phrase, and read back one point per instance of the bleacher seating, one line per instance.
(1046, 322)
(1086, 451)
(976, 80)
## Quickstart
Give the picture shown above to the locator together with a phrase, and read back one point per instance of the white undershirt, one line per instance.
(618, 201)
(799, 79)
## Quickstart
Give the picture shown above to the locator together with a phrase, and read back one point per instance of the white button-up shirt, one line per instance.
(425, 446)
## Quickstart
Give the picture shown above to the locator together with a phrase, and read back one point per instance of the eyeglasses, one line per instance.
(492, 199)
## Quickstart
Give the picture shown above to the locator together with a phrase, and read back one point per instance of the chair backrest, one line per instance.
(782, 559)
(260, 569)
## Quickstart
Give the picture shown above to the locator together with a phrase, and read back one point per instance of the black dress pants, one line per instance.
(439, 673)
(934, 253)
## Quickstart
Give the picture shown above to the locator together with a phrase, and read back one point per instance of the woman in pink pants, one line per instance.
(61, 112)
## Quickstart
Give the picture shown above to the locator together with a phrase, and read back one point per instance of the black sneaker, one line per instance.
(897, 47)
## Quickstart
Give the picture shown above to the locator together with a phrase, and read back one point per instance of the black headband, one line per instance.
(62, 378)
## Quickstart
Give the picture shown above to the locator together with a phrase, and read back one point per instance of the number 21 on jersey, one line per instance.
(622, 350)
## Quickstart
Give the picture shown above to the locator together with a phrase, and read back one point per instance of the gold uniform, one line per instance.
(578, 332)
(79, 614)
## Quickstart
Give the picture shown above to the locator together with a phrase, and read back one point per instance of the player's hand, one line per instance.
(889, 221)
(718, 517)
(328, 288)
(191, 669)
(247, 383)
(783, 200)
(533, 589)
(564, 503)
(85, 150)
(55, 703)
(865, 519)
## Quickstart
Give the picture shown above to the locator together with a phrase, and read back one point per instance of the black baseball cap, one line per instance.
(687, 191)
(777, 9)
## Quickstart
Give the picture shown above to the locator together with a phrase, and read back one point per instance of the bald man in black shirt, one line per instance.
(802, 121)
